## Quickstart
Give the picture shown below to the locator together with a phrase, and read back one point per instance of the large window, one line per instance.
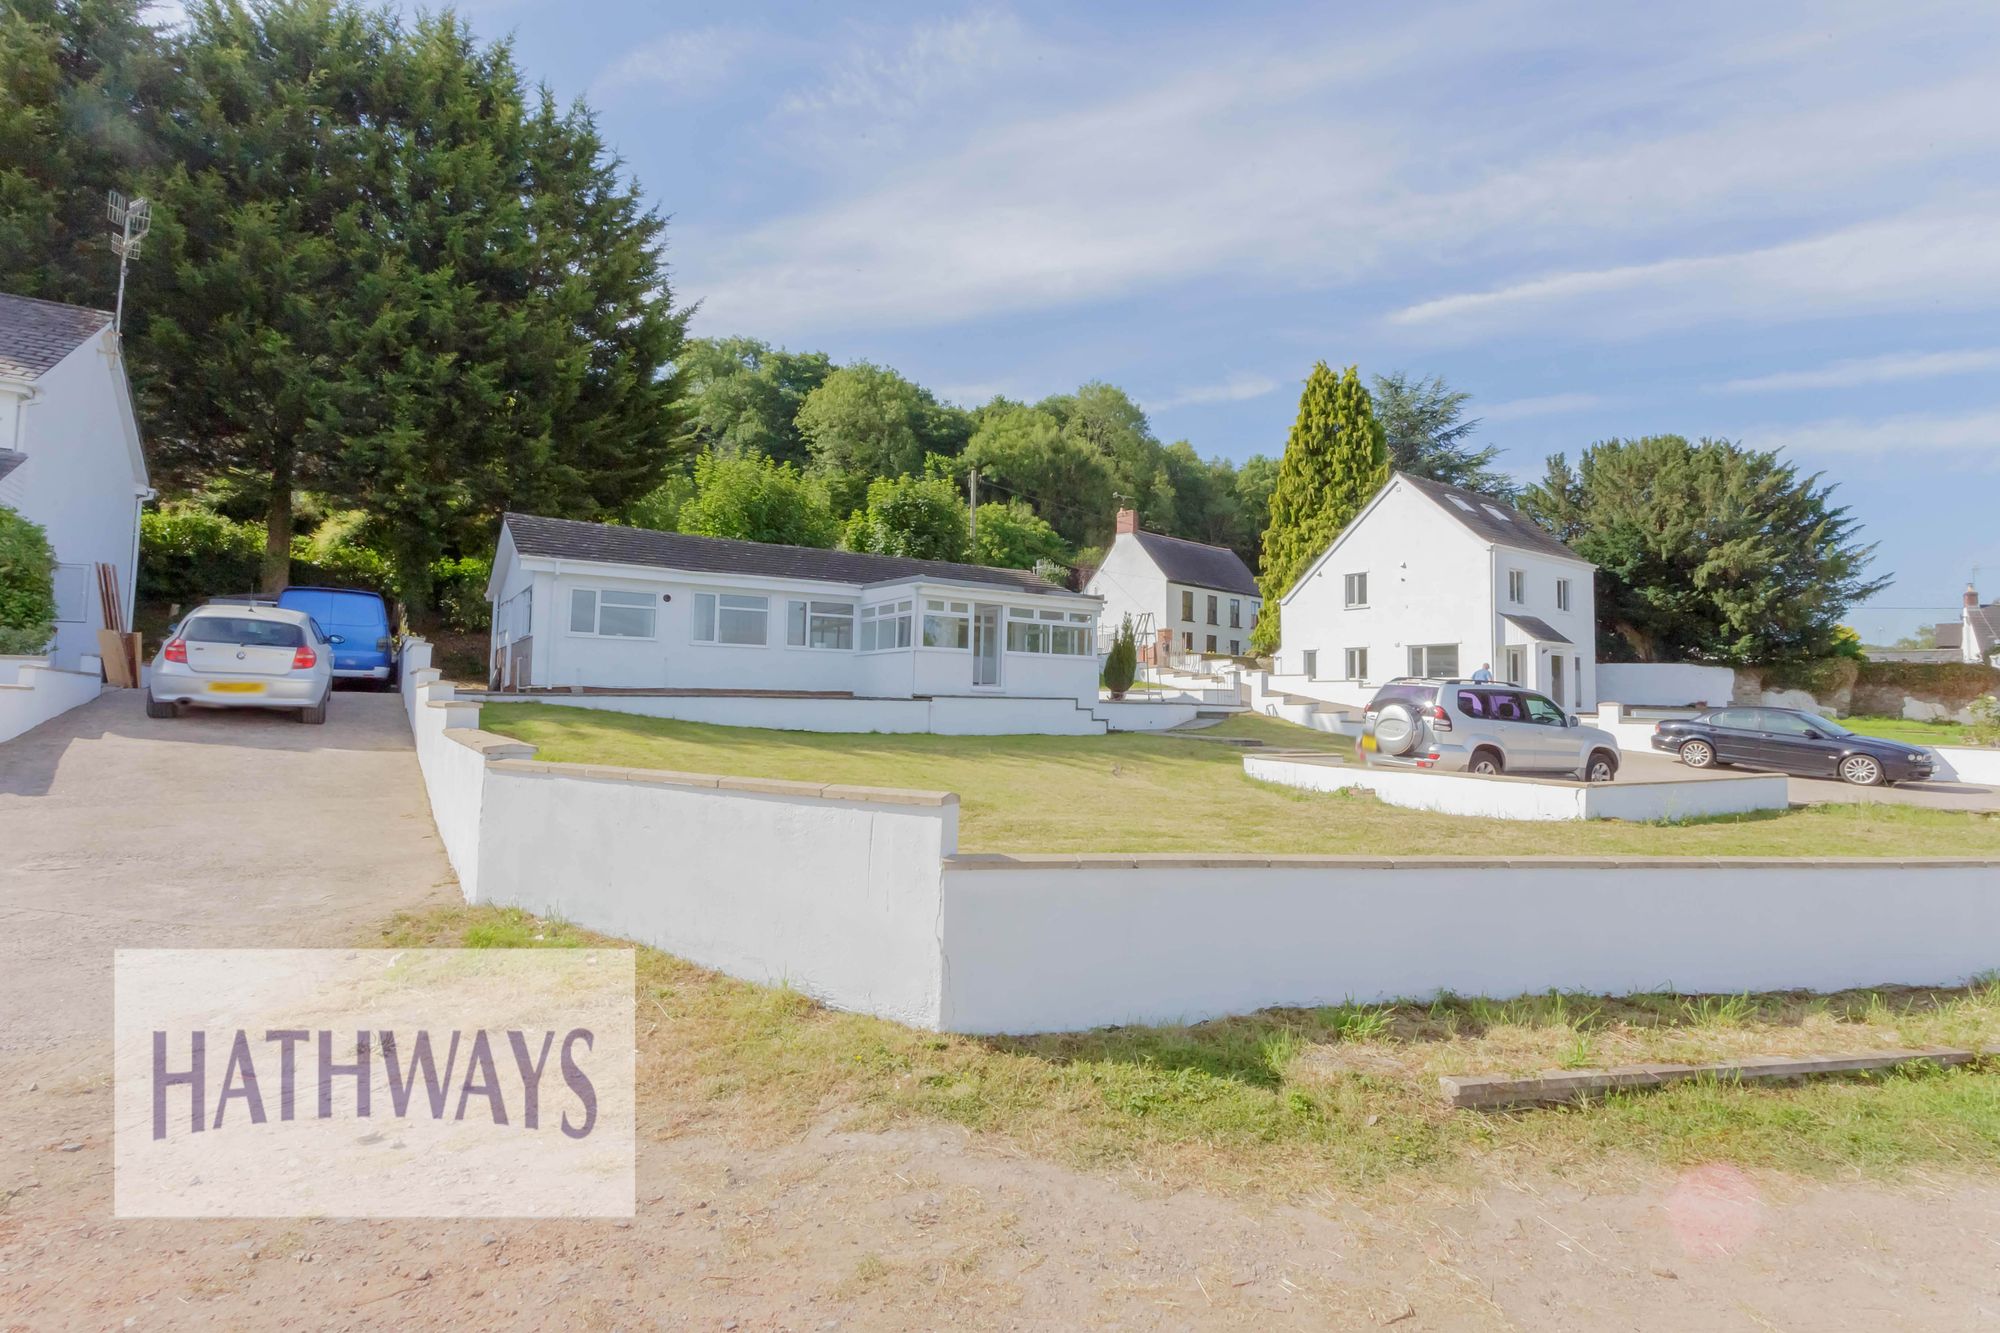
(819, 624)
(1236, 613)
(1433, 659)
(611, 613)
(731, 618)
(1187, 605)
(1211, 608)
(947, 624)
(886, 625)
(1517, 586)
(1357, 664)
(1066, 633)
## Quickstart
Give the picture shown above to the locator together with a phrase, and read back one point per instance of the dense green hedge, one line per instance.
(1956, 683)
(1820, 677)
(27, 586)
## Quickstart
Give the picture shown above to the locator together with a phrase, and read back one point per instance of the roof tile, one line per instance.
(1491, 520)
(35, 335)
(1197, 563)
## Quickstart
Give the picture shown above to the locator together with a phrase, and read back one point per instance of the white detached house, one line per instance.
(1433, 580)
(1185, 595)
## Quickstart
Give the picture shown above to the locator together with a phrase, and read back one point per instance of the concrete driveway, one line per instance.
(215, 829)
(1640, 767)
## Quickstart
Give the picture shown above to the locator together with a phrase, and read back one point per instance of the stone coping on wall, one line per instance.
(1331, 861)
(519, 761)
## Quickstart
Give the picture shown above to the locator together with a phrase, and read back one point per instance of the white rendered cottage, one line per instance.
(1432, 580)
(1192, 597)
(1974, 636)
(69, 455)
(613, 608)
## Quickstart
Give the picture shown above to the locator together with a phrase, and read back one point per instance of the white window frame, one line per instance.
(896, 617)
(1517, 587)
(1421, 667)
(807, 615)
(707, 612)
(1357, 664)
(1187, 606)
(1236, 613)
(1044, 633)
(1356, 582)
(1562, 594)
(1312, 663)
(945, 609)
(646, 601)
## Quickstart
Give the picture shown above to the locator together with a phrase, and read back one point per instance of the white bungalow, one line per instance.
(611, 608)
(1432, 580)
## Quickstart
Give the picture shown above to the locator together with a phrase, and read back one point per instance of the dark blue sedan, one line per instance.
(1790, 741)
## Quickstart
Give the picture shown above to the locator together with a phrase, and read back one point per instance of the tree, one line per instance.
(27, 586)
(1706, 551)
(1121, 663)
(866, 421)
(745, 394)
(1424, 425)
(1335, 460)
(75, 78)
(1025, 451)
(1013, 536)
(1925, 637)
(920, 517)
(751, 498)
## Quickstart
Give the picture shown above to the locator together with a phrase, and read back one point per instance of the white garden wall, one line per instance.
(962, 715)
(32, 692)
(1962, 763)
(1049, 944)
(1665, 684)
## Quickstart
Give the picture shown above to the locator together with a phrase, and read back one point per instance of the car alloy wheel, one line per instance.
(1697, 754)
(1861, 770)
(1601, 768)
(1487, 763)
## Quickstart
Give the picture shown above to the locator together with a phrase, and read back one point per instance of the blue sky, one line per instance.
(1775, 222)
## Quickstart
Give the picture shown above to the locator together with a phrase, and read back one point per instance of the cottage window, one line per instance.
(820, 625)
(1312, 664)
(1236, 647)
(1210, 644)
(947, 624)
(1434, 659)
(1357, 589)
(1187, 640)
(731, 618)
(1211, 608)
(1236, 613)
(610, 613)
(886, 625)
(1025, 634)
(1517, 586)
(1357, 664)
(1187, 606)
(1562, 594)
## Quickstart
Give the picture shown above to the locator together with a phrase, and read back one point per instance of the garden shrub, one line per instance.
(188, 554)
(458, 591)
(1954, 684)
(27, 586)
(1121, 663)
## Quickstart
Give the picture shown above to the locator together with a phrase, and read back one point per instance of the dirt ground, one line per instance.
(119, 831)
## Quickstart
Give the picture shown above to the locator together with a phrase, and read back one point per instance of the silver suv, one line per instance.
(1470, 726)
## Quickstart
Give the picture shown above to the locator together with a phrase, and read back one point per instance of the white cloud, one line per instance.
(876, 84)
(1975, 433)
(1917, 261)
(1889, 369)
(683, 65)
(1549, 405)
(1233, 389)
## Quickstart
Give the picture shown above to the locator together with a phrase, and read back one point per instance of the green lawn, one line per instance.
(1156, 793)
(1902, 729)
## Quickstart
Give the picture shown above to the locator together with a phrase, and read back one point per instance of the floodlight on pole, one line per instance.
(132, 218)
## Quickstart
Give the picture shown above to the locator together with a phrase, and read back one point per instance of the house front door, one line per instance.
(1556, 679)
(986, 631)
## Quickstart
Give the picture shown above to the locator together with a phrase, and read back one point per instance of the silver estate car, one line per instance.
(243, 655)
(1470, 726)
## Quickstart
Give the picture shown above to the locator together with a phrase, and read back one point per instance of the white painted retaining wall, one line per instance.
(945, 716)
(32, 692)
(1665, 684)
(1531, 799)
(1963, 763)
(1073, 943)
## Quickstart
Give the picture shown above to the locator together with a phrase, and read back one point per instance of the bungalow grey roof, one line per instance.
(1541, 631)
(567, 539)
(1197, 563)
(35, 334)
(9, 460)
(1491, 520)
(1985, 622)
(1950, 635)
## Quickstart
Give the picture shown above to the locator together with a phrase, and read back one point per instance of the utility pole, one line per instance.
(132, 218)
(972, 489)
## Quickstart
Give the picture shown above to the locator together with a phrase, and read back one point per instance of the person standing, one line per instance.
(1484, 674)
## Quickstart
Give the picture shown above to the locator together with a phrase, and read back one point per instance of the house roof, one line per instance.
(1541, 631)
(1204, 566)
(9, 460)
(567, 539)
(1491, 520)
(1951, 635)
(35, 334)
(1985, 622)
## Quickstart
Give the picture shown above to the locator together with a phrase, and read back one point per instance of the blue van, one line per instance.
(364, 647)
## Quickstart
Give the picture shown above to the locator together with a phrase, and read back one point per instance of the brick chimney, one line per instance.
(1128, 521)
(1971, 597)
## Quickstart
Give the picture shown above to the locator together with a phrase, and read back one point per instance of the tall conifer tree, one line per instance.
(1335, 460)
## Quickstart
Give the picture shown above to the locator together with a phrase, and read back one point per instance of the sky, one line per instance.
(1775, 222)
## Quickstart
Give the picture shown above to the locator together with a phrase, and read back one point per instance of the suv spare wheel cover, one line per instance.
(1396, 729)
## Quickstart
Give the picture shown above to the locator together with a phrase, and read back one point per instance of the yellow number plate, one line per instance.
(234, 687)
(1367, 742)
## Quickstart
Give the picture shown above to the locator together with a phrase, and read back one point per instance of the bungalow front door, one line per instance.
(986, 631)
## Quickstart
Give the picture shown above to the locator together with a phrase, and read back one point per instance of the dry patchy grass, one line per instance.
(1290, 1101)
(1157, 793)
